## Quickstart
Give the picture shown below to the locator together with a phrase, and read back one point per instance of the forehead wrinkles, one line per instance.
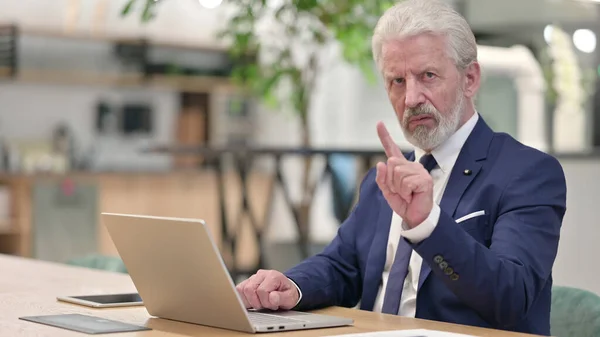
(398, 62)
(394, 58)
(414, 53)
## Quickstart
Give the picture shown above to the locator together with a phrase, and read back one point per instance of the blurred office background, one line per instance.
(105, 112)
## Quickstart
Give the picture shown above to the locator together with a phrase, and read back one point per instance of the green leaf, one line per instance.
(270, 82)
(306, 5)
(147, 14)
(127, 8)
(270, 100)
(279, 12)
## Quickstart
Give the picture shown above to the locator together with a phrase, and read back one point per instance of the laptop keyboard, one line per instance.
(260, 318)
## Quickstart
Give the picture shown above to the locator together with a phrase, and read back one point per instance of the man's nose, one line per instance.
(414, 95)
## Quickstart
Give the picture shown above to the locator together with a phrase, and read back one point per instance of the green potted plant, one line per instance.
(286, 69)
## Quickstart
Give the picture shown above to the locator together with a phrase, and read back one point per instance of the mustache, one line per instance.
(421, 110)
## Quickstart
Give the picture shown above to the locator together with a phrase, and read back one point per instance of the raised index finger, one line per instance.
(390, 147)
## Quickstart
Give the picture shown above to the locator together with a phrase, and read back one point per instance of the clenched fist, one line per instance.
(406, 185)
(268, 289)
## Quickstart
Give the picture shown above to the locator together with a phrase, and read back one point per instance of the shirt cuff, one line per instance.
(299, 291)
(424, 229)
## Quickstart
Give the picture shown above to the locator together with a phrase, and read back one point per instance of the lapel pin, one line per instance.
(467, 172)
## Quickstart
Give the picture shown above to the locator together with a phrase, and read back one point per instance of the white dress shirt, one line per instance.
(445, 155)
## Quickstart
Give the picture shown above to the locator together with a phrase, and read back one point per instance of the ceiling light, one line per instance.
(210, 4)
(548, 33)
(584, 40)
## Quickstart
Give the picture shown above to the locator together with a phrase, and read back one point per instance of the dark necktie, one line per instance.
(399, 270)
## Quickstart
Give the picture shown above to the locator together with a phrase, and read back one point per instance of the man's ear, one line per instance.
(472, 79)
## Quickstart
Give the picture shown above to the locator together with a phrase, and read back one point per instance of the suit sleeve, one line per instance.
(503, 281)
(332, 277)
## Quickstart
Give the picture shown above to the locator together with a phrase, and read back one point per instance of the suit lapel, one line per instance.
(463, 173)
(458, 182)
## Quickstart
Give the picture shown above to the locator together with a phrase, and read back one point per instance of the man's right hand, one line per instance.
(406, 185)
(268, 289)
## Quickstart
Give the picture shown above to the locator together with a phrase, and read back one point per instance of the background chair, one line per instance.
(575, 312)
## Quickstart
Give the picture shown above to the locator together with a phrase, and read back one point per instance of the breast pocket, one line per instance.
(473, 221)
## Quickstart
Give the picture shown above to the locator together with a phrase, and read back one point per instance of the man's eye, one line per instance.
(429, 74)
(398, 80)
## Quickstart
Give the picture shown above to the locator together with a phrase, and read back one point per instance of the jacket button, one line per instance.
(443, 265)
(438, 259)
(448, 271)
(454, 277)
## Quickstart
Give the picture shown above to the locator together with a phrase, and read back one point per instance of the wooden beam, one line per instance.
(175, 82)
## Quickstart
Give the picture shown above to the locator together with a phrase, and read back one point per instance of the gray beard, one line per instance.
(425, 138)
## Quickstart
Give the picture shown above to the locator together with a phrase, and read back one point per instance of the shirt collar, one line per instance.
(446, 154)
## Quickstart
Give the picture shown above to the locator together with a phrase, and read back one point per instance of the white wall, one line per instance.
(490, 14)
(31, 112)
(581, 228)
(183, 21)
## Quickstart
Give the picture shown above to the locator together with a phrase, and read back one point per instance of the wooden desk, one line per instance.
(29, 287)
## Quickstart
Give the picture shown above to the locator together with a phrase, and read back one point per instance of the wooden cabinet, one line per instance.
(14, 236)
(192, 127)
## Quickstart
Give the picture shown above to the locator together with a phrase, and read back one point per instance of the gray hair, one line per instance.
(414, 17)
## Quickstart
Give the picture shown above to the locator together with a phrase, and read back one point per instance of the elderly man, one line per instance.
(463, 230)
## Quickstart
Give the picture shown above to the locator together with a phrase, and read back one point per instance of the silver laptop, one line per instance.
(180, 275)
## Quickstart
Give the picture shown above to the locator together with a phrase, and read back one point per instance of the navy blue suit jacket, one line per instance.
(492, 271)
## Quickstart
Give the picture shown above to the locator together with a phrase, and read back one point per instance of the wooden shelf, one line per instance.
(181, 83)
(9, 232)
(186, 83)
(112, 38)
(9, 227)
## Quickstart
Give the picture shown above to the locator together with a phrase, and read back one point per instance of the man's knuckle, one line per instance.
(249, 289)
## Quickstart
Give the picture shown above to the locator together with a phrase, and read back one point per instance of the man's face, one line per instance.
(425, 88)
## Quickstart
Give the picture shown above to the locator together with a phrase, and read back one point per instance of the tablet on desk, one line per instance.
(105, 300)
